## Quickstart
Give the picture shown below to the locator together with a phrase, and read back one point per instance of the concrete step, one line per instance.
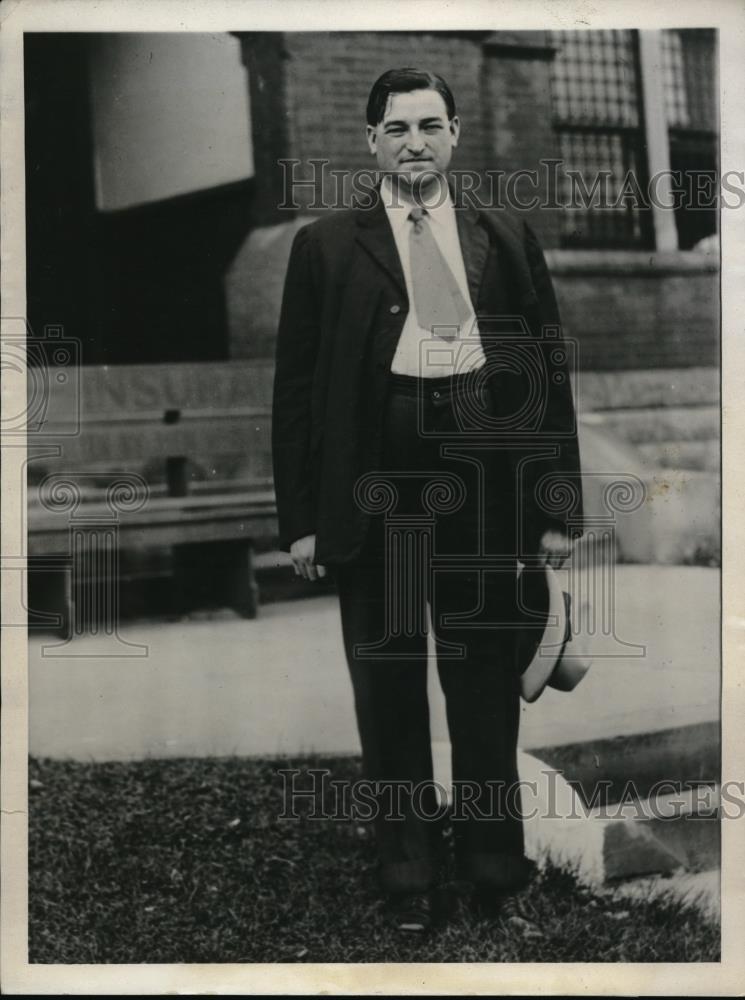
(604, 771)
(699, 455)
(646, 388)
(678, 520)
(604, 845)
(644, 425)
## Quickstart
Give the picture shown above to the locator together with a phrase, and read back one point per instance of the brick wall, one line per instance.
(500, 86)
(639, 310)
(630, 312)
(519, 130)
(627, 310)
(329, 76)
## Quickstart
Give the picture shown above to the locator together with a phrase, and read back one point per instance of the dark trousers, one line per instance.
(439, 516)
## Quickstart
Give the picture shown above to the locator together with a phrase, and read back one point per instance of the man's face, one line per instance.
(415, 140)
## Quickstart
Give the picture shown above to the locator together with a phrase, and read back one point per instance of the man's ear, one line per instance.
(372, 139)
(455, 129)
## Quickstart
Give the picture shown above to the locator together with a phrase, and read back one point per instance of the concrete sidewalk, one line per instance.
(279, 684)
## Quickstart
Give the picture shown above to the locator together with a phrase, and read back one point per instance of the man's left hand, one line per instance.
(554, 548)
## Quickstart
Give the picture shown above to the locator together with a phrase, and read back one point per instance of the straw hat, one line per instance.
(547, 652)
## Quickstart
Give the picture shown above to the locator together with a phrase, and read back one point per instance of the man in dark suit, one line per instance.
(423, 428)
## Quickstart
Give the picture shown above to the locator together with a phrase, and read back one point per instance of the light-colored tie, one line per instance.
(438, 300)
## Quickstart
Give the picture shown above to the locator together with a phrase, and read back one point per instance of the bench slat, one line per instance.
(213, 421)
(199, 438)
(50, 533)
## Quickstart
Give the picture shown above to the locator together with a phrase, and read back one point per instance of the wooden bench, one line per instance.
(158, 455)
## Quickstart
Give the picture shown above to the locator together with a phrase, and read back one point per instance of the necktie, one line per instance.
(438, 300)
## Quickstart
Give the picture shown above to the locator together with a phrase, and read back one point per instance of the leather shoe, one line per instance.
(413, 912)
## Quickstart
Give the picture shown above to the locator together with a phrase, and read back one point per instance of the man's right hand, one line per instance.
(302, 553)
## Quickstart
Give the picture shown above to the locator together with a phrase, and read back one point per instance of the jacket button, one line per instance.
(395, 310)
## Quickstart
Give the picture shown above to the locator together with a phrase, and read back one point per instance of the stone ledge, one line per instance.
(643, 263)
(559, 830)
(700, 456)
(518, 45)
(653, 424)
(640, 388)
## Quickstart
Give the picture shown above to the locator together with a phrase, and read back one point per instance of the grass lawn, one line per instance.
(186, 861)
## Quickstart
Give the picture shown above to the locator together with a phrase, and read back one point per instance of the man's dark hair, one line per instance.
(402, 81)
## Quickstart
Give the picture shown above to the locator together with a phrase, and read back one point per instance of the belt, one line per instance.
(438, 387)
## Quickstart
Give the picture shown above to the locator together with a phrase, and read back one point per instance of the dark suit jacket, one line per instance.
(343, 310)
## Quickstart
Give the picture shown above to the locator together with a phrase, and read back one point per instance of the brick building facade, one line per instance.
(637, 306)
(633, 294)
(184, 277)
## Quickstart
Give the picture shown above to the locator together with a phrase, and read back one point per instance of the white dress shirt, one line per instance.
(419, 353)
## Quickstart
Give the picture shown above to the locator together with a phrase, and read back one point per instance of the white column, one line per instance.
(658, 145)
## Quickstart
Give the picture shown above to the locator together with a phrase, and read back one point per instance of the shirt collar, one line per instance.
(439, 208)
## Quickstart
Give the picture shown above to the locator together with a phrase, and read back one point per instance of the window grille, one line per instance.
(690, 78)
(595, 93)
(689, 66)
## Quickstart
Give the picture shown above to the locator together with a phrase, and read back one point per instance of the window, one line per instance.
(689, 67)
(595, 88)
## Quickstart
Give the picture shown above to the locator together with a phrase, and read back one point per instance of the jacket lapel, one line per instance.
(375, 234)
(474, 245)
(473, 230)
